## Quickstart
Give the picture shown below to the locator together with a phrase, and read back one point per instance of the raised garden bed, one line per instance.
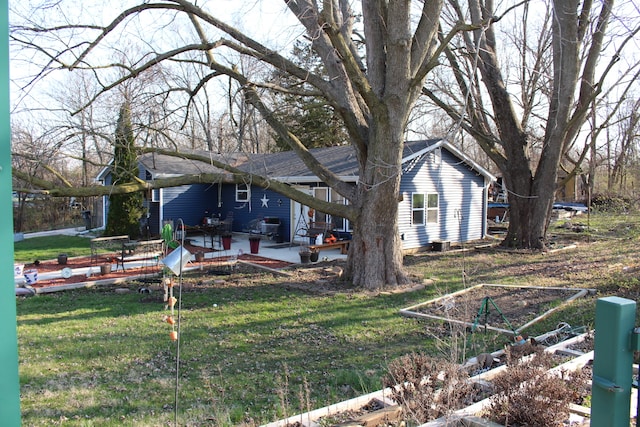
(359, 411)
(502, 308)
(85, 272)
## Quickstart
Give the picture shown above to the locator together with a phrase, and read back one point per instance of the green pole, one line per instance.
(612, 362)
(9, 380)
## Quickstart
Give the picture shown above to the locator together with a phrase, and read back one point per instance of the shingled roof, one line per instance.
(286, 166)
(341, 160)
(164, 166)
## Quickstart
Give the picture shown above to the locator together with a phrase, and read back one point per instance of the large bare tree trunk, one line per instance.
(375, 254)
(508, 134)
(375, 258)
(530, 204)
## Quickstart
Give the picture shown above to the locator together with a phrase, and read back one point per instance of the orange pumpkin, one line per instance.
(331, 239)
(173, 335)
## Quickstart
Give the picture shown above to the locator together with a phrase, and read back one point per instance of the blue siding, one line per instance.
(188, 202)
(461, 192)
(244, 212)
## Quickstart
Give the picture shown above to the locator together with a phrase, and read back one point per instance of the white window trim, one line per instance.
(435, 209)
(240, 191)
(422, 209)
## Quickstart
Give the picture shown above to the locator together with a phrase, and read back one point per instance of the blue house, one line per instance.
(443, 193)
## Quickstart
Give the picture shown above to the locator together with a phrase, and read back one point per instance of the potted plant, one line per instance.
(254, 243)
(105, 268)
(305, 255)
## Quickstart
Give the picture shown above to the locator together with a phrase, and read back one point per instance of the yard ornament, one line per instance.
(175, 262)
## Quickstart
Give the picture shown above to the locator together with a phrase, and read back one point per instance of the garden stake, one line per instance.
(183, 257)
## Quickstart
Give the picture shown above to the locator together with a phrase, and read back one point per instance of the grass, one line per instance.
(41, 248)
(254, 350)
(115, 351)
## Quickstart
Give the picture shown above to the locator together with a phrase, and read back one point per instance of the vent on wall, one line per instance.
(435, 157)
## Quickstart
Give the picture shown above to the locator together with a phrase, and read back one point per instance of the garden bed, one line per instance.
(360, 411)
(85, 272)
(502, 308)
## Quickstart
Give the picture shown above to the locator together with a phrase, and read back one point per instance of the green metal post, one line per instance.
(9, 381)
(612, 363)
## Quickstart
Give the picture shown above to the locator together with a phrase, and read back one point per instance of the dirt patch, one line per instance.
(506, 308)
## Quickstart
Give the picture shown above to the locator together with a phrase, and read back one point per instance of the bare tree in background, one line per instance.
(526, 118)
(624, 153)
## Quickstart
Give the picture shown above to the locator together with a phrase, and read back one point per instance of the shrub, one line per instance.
(427, 388)
(526, 394)
(612, 203)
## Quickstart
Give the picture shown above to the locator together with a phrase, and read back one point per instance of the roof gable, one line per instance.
(342, 161)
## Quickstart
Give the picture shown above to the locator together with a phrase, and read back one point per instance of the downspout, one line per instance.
(160, 209)
(485, 207)
(105, 200)
(10, 383)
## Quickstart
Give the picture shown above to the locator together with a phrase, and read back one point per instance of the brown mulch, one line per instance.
(150, 269)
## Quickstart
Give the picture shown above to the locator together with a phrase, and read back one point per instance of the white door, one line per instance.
(300, 218)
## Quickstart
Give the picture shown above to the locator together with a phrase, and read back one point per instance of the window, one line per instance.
(424, 208)
(340, 224)
(321, 193)
(242, 193)
(155, 195)
(417, 208)
(432, 208)
(329, 195)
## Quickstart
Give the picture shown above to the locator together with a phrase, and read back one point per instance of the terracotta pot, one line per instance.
(226, 242)
(105, 269)
(254, 244)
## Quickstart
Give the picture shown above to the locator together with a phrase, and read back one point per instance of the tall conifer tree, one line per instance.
(125, 210)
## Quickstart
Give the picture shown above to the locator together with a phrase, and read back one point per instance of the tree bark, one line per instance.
(375, 253)
(507, 137)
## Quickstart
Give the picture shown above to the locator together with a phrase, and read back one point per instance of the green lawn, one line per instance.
(104, 357)
(41, 248)
(254, 350)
